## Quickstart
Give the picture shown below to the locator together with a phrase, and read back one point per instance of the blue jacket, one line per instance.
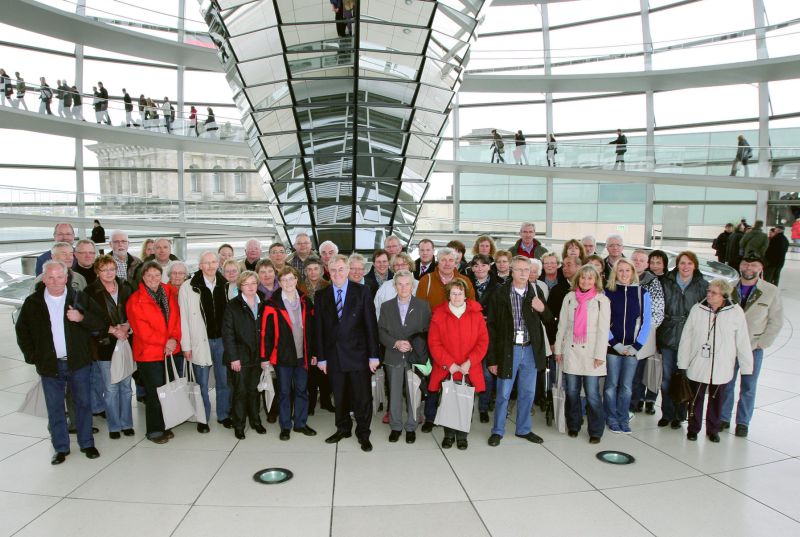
(631, 316)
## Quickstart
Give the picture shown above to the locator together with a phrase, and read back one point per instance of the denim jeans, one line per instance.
(618, 388)
(747, 392)
(117, 397)
(221, 376)
(670, 410)
(524, 366)
(54, 389)
(201, 377)
(574, 404)
(293, 380)
(640, 391)
(491, 382)
(98, 389)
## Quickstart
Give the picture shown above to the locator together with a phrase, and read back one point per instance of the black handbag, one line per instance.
(680, 391)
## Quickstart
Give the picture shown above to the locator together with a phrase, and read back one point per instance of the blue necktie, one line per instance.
(339, 304)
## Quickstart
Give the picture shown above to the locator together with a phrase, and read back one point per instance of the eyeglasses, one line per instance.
(119, 242)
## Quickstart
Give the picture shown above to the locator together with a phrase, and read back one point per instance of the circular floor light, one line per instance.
(272, 476)
(615, 457)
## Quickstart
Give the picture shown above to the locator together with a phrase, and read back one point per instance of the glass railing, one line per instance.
(149, 118)
(58, 203)
(677, 159)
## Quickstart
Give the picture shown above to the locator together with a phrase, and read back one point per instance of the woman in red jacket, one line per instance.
(457, 341)
(156, 323)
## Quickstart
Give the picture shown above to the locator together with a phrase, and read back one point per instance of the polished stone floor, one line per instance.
(199, 485)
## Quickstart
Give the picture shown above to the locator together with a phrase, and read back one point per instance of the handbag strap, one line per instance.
(172, 363)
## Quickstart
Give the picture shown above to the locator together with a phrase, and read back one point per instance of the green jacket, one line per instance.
(754, 241)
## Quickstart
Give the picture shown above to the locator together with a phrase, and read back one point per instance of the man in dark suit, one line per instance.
(347, 349)
(427, 260)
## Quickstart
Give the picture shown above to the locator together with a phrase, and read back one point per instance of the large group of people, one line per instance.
(507, 322)
(70, 101)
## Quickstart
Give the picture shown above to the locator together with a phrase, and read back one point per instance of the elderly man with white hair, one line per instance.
(127, 264)
(614, 245)
(589, 244)
(302, 251)
(202, 301)
(252, 255)
(327, 251)
(54, 331)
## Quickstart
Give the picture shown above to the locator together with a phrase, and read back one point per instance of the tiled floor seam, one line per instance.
(565, 463)
(21, 450)
(466, 493)
(754, 499)
(333, 489)
(199, 494)
(66, 496)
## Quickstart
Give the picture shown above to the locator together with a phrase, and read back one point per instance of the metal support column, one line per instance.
(764, 151)
(80, 188)
(548, 105)
(650, 119)
(181, 39)
(456, 194)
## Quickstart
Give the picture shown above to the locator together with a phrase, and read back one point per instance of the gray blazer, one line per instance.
(415, 330)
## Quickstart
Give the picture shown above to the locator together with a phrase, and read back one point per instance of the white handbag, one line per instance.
(34, 403)
(265, 386)
(195, 395)
(174, 397)
(455, 405)
(122, 364)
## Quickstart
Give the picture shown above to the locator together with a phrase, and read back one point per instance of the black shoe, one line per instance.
(59, 457)
(494, 440)
(239, 433)
(311, 412)
(259, 428)
(306, 430)
(427, 427)
(338, 435)
(227, 423)
(663, 422)
(285, 434)
(95, 430)
(650, 408)
(169, 434)
(531, 437)
(140, 398)
(394, 436)
(594, 439)
(675, 424)
(691, 436)
(159, 439)
(271, 418)
(447, 442)
(741, 431)
(724, 425)
(114, 435)
(329, 407)
(638, 407)
(462, 444)
(128, 432)
(411, 437)
(366, 445)
(714, 437)
(100, 414)
(90, 452)
(572, 434)
(203, 428)
(484, 417)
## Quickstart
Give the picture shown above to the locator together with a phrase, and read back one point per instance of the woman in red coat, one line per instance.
(156, 323)
(457, 340)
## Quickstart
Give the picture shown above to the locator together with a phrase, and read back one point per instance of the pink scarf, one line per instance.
(582, 314)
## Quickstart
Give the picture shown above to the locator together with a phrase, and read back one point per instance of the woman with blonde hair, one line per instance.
(631, 318)
(148, 249)
(485, 245)
(580, 347)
